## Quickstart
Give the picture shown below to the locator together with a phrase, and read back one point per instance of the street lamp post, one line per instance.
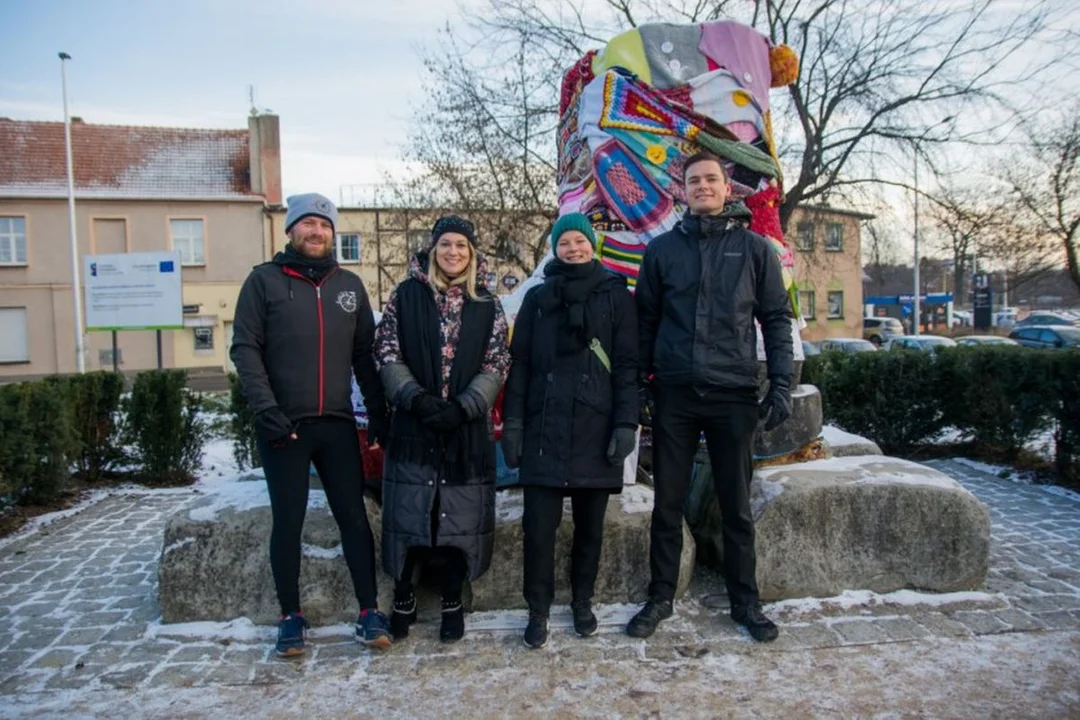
(80, 355)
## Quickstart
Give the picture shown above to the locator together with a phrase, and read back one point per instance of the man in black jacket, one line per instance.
(700, 289)
(303, 327)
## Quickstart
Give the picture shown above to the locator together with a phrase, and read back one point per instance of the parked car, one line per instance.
(1005, 317)
(962, 318)
(1047, 318)
(880, 330)
(848, 345)
(977, 340)
(1051, 337)
(919, 342)
(809, 349)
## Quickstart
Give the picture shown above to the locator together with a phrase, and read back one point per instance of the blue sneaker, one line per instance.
(373, 629)
(290, 635)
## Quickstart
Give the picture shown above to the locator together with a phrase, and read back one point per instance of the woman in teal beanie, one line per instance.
(570, 414)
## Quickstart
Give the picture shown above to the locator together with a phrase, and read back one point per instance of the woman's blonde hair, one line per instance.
(443, 283)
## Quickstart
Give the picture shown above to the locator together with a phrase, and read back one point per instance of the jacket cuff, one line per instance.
(479, 396)
(400, 384)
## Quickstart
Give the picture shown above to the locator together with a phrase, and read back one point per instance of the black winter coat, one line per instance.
(698, 295)
(570, 403)
(296, 342)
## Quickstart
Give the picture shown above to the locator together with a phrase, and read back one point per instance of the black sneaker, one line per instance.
(536, 632)
(453, 621)
(584, 620)
(760, 627)
(644, 623)
(403, 616)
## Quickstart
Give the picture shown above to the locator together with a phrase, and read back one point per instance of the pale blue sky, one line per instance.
(344, 76)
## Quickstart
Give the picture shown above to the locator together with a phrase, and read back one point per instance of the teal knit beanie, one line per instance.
(572, 221)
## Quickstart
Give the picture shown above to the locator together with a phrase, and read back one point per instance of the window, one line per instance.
(188, 239)
(804, 237)
(836, 304)
(12, 241)
(417, 240)
(13, 328)
(204, 338)
(347, 247)
(834, 237)
(808, 304)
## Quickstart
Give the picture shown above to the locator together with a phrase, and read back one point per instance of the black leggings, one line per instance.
(332, 444)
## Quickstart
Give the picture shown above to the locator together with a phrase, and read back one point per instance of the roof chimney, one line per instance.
(264, 142)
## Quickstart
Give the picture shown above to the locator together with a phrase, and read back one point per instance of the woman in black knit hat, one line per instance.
(570, 414)
(442, 356)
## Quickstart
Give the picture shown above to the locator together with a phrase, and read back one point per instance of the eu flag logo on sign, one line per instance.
(166, 266)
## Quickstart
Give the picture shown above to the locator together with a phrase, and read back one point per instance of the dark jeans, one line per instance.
(332, 444)
(682, 414)
(452, 569)
(543, 513)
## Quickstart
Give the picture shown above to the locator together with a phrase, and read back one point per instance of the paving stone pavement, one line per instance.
(79, 612)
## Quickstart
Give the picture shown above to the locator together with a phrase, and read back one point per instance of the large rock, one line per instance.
(799, 430)
(856, 523)
(215, 558)
(844, 444)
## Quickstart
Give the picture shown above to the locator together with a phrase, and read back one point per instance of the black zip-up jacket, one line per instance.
(698, 297)
(297, 341)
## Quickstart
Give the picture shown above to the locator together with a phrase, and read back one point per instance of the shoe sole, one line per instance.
(291, 652)
(533, 647)
(586, 634)
(380, 643)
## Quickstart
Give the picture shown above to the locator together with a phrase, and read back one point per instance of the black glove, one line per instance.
(623, 440)
(450, 417)
(426, 405)
(513, 442)
(274, 427)
(776, 407)
(647, 405)
(378, 423)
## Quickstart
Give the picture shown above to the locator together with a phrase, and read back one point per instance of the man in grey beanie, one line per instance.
(303, 326)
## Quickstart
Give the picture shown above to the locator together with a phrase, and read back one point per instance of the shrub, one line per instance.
(36, 442)
(164, 428)
(242, 427)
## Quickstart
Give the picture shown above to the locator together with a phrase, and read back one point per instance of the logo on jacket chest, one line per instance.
(346, 299)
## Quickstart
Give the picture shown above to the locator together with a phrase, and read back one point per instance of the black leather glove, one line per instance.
(450, 417)
(647, 405)
(513, 442)
(378, 423)
(776, 407)
(426, 405)
(623, 440)
(274, 427)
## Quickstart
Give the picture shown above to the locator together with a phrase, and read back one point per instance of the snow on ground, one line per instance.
(1022, 478)
(850, 599)
(867, 469)
(835, 436)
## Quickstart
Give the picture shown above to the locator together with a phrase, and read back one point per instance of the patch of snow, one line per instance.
(857, 598)
(1000, 471)
(636, 499)
(835, 436)
(949, 436)
(1061, 492)
(863, 471)
(509, 506)
(182, 542)
(323, 553)
(239, 497)
(239, 630)
(218, 464)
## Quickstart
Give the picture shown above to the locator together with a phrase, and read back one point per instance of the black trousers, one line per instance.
(543, 513)
(332, 444)
(682, 414)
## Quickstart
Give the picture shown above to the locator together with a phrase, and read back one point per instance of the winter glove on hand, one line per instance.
(449, 418)
(426, 405)
(513, 442)
(272, 426)
(776, 407)
(647, 405)
(623, 440)
(378, 423)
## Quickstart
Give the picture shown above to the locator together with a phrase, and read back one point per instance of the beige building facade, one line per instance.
(203, 193)
(828, 270)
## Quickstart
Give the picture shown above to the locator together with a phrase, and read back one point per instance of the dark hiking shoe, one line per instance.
(403, 616)
(453, 621)
(536, 632)
(373, 629)
(584, 620)
(760, 627)
(644, 623)
(290, 635)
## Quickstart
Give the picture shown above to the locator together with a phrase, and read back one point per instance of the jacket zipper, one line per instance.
(322, 329)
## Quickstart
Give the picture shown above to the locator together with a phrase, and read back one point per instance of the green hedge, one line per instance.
(93, 403)
(242, 427)
(163, 427)
(36, 443)
(999, 398)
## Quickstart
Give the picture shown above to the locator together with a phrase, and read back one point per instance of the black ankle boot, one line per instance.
(403, 616)
(453, 621)
(584, 619)
(644, 623)
(536, 632)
